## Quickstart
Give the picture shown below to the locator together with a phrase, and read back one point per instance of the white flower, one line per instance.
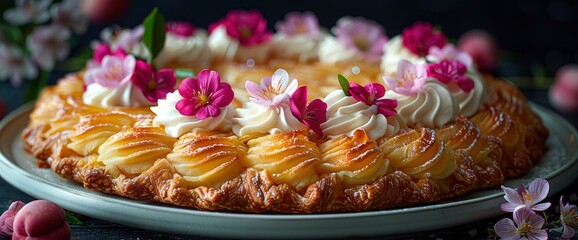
(15, 65)
(48, 44)
(68, 15)
(27, 11)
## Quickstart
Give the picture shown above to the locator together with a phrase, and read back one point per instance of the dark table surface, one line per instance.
(98, 229)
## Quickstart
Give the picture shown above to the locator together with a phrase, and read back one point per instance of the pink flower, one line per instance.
(7, 218)
(365, 37)
(312, 115)
(273, 90)
(451, 72)
(420, 37)
(299, 23)
(27, 11)
(526, 225)
(153, 85)
(410, 78)
(66, 14)
(536, 192)
(48, 44)
(41, 219)
(371, 94)
(103, 50)
(182, 29)
(204, 96)
(568, 218)
(15, 65)
(451, 53)
(483, 48)
(113, 72)
(248, 27)
(564, 92)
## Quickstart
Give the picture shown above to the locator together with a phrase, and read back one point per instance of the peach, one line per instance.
(41, 219)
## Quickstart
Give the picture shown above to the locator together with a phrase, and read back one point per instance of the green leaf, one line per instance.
(154, 33)
(344, 84)
(184, 73)
(72, 219)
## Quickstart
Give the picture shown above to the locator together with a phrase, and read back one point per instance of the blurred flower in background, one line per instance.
(36, 35)
(564, 92)
(483, 48)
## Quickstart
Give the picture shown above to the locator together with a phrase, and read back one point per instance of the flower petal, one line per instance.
(539, 187)
(188, 88)
(512, 196)
(186, 107)
(279, 81)
(522, 214)
(207, 111)
(569, 232)
(509, 207)
(208, 81)
(299, 102)
(223, 96)
(505, 228)
(541, 207)
(538, 235)
(358, 92)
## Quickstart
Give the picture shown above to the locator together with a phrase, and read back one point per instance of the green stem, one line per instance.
(34, 86)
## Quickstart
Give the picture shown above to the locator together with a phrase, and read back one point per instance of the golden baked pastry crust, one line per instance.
(118, 151)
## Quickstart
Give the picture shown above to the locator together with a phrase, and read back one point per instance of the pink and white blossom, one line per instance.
(410, 78)
(420, 37)
(126, 39)
(483, 48)
(7, 218)
(297, 23)
(522, 197)
(15, 65)
(568, 218)
(449, 72)
(204, 96)
(67, 14)
(248, 27)
(312, 114)
(153, 85)
(28, 11)
(273, 90)
(48, 44)
(372, 94)
(526, 225)
(363, 36)
(451, 53)
(112, 72)
(563, 93)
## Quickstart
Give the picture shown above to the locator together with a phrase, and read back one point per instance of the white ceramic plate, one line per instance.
(19, 169)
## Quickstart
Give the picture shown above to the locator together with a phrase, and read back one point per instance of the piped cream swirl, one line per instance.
(394, 51)
(254, 118)
(432, 107)
(126, 95)
(185, 51)
(224, 47)
(471, 102)
(345, 115)
(331, 51)
(301, 48)
(176, 124)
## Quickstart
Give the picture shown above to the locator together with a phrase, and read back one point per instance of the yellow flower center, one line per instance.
(204, 99)
(408, 76)
(527, 196)
(526, 229)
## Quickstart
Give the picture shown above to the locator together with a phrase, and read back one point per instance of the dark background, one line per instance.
(536, 37)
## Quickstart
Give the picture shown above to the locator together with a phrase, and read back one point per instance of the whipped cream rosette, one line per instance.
(412, 45)
(361, 108)
(422, 100)
(199, 104)
(185, 46)
(115, 79)
(240, 36)
(356, 40)
(269, 109)
(298, 37)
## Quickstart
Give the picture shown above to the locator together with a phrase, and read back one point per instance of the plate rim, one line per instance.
(15, 169)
